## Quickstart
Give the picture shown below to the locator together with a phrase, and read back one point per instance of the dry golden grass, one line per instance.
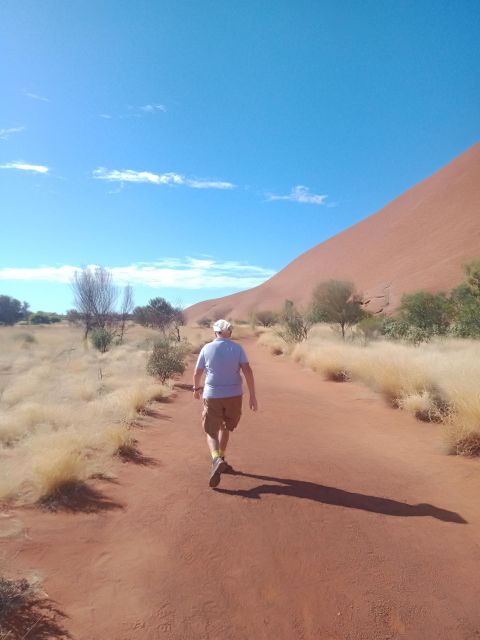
(65, 408)
(437, 382)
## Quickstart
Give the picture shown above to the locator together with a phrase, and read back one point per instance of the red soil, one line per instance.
(418, 241)
(345, 521)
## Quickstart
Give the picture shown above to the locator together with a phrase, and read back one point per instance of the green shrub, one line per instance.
(205, 322)
(167, 359)
(295, 325)
(431, 312)
(101, 339)
(370, 327)
(40, 318)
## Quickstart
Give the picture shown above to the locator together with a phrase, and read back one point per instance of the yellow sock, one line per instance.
(215, 454)
(222, 453)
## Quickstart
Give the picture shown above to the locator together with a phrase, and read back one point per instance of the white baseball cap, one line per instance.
(221, 325)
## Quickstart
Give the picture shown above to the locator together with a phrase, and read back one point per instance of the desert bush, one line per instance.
(274, 343)
(369, 327)
(337, 302)
(266, 318)
(101, 339)
(167, 359)
(429, 312)
(295, 325)
(205, 322)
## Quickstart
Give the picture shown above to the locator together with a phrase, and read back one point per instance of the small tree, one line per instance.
(336, 301)
(205, 322)
(158, 314)
(12, 310)
(101, 339)
(295, 325)
(125, 311)
(167, 359)
(95, 296)
(266, 318)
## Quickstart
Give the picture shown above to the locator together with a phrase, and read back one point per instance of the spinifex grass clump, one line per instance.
(438, 381)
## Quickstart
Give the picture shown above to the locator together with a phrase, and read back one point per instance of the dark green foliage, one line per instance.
(101, 339)
(466, 321)
(399, 329)
(12, 310)
(295, 325)
(430, 312)
(160, 314)
(336, 301)
(42, 317)
(205, 322)
(167, 359)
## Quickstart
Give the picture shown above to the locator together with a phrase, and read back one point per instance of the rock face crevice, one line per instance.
(418, 241)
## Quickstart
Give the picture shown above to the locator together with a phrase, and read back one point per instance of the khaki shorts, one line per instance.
(221, 413)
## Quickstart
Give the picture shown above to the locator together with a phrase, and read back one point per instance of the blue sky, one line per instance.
(195, 148)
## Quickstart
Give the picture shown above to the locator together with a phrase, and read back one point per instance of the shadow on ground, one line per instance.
(79, 497)
(339, 497)
(132, 454)
(35, 619)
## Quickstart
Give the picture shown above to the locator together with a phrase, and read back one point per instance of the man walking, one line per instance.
(222, 360)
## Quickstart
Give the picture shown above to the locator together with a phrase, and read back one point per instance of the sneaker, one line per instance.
(218, 466)
(227, 468)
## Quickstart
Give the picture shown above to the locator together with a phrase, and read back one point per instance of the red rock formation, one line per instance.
(418, 241)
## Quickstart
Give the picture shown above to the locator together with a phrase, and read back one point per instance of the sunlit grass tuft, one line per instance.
(65, 409)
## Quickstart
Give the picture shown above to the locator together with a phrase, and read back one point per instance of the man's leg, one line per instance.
(223, 436)
(213, 446)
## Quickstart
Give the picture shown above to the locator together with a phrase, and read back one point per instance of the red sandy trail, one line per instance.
(345, 521)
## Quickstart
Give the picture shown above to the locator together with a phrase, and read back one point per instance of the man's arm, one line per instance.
(197, 379)
(248, 373)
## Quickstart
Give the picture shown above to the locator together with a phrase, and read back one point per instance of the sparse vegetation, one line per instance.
(435, 381)
(294, 324)
(66, 409)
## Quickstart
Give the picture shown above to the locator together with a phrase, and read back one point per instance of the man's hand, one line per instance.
(253, 403)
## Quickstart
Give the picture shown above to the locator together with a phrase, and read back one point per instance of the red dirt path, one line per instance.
(345, 522)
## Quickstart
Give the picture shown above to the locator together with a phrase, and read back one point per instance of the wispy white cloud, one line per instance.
(6, 133)
(137, 111)
(186, 273)
(300, 194)
(128, 175)
(153, 108)
(35, 96)
(23, 166)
